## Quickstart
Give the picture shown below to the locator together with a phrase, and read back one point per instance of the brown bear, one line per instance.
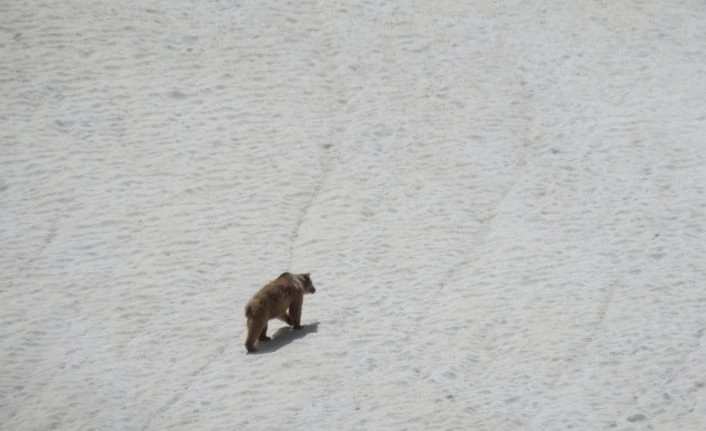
(272, 301)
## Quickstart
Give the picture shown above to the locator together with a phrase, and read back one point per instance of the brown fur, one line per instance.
(285, 293)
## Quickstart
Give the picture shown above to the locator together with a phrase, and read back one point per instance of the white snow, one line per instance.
(502, 205)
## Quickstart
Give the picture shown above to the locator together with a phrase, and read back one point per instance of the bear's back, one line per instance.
(274, 298)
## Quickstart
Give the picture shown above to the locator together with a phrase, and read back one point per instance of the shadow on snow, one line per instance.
(284, 336)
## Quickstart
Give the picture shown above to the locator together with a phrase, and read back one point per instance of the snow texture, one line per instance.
(502, 205)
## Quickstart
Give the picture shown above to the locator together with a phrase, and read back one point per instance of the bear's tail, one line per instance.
(248, 311)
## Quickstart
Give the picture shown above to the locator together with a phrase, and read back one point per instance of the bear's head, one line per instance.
(307, 285)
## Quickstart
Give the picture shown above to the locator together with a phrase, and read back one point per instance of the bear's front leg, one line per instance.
(295, 313)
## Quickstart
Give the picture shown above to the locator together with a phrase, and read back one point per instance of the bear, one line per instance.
(272, 301)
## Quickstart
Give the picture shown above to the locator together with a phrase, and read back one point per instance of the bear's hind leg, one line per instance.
(263, 334)
(255, 327)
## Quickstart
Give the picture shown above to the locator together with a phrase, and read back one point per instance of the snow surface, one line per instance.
(502, 204)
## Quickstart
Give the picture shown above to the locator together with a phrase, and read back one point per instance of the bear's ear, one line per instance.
(284, 274)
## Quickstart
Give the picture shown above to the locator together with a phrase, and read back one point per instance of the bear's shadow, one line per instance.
(284, 336)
